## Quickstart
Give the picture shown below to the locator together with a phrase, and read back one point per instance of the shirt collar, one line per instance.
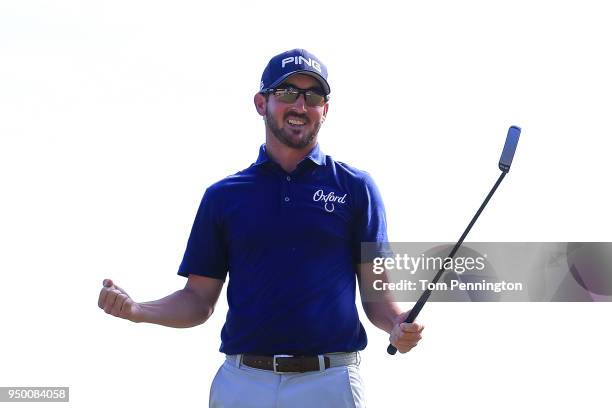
(316, 156)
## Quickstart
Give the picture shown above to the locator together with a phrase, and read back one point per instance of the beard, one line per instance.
(285, 136)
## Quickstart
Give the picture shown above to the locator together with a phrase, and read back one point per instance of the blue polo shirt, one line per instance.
(291, 244)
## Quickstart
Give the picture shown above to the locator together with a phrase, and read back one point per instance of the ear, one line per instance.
(260, 103)
(325, 108)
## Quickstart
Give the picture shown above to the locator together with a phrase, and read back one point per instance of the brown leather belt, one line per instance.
(286, 364)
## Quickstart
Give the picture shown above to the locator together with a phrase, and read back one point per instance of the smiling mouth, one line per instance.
(295, 122)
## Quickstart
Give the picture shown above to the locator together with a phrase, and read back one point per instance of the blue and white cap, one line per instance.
(297, 61)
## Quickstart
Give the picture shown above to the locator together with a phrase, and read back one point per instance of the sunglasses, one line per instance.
(291, 94)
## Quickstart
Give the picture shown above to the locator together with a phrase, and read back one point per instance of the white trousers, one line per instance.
(240, 386)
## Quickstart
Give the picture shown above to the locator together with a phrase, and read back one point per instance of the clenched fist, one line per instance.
(117, 302)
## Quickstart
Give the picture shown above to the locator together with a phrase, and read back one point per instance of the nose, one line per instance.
(300, 103)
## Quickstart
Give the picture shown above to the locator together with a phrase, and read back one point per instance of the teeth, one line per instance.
(295, 122)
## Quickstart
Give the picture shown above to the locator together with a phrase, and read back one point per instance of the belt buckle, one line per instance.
(275, 364)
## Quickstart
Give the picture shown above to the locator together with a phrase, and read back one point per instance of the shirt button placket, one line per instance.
(285, 194)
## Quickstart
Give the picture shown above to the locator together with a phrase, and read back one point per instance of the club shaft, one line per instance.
(423, 298)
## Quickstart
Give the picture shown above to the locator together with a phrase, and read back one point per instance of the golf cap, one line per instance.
(297, 61)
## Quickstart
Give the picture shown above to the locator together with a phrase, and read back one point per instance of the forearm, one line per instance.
(381, 309)
(184, 308)
(382, 314)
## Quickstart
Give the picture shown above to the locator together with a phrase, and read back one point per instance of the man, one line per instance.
(288, 231)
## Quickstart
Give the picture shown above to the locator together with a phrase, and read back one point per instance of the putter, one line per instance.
(504, 165)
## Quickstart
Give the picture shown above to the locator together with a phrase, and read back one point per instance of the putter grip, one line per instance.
(412, 316)
(391, 349)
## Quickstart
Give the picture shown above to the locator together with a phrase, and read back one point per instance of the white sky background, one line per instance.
(115, 116)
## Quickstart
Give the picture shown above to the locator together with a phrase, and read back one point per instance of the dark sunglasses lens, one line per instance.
(314, 99)
(287, 95)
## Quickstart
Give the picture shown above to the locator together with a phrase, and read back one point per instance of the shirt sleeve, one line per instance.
(206, 253)
(371, 239)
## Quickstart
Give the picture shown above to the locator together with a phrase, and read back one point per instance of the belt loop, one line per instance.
(238, 360)
(321, 363)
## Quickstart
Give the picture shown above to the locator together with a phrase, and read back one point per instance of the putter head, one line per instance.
(509, 148)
